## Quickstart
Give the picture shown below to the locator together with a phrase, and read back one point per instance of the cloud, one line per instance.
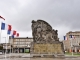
(25, 34)
(62, 14)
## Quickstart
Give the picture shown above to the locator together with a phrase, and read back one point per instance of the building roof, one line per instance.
(74, 32)
(76, 45)
(21, 38)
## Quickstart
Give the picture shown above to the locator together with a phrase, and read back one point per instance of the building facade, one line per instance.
(72, 43)
(6, 47)
(20, 44)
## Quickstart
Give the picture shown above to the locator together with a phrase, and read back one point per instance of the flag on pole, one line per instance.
(9, 32)
(12, 36)
(65, 38)
(2, 26)
(9, 29)
(6, 27)
(17, 34)
(2, 17)
(14, 32)
(71, 36)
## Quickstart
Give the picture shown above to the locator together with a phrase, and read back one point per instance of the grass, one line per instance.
(75, 54)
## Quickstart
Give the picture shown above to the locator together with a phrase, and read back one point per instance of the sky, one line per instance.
(62, 15)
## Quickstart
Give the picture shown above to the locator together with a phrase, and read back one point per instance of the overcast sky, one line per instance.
(63, 15)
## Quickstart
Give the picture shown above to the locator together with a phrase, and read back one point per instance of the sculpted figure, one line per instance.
(43, 33)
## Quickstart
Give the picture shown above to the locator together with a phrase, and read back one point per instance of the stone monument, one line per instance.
(45, 40)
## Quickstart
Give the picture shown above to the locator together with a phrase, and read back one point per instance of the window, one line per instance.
(22, 42)
(16, 39)
(15, 42)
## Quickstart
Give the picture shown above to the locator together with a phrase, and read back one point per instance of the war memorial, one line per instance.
(45, 45)
(45, 40)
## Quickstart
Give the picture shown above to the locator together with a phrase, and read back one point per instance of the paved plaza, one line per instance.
(27, 57)
(41, 59)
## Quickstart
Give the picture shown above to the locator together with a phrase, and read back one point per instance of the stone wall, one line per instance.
(48, 48)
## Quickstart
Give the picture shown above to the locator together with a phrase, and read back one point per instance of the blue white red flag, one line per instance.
(72, 36)
(9, 29)
(65, 38)
(6, 27)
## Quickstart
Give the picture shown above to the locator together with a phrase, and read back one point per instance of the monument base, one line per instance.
(48, 55)
(47, 49)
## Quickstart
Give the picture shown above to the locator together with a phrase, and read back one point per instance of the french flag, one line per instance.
(65, 38)
(12, 33)
(71, 36)
(6, 27)
(9, 29)
(17, 34)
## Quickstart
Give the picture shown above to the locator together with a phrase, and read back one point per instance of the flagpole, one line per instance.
(1, 27)
(10, 45)
(71, 45)
(6, 39)
(8, 42)
(5, 47)
(12, 42)
(1, 33)
(0, 37)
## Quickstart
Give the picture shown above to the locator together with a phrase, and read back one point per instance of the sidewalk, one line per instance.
(70, 56)
(26, 55)
(16, 55)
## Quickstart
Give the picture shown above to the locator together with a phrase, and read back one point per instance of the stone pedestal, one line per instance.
(45, 40)
(53, 49)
